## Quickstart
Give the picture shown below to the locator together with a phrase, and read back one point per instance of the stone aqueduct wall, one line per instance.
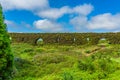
(65, 38)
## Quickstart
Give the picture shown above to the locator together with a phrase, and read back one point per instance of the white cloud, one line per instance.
(13, 24)
(42, 8)
(104, 21)
(79, 22)
(18, 27)
(47, 25)
(55, 13)
(10, 23)
(84, 9)
(24, 4)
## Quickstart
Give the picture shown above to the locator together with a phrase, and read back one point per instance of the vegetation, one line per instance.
(6, 57)
(53, 62)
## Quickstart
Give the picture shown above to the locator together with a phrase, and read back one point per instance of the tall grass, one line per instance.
(53, 62)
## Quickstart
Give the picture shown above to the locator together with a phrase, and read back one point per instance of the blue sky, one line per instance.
(62, 15)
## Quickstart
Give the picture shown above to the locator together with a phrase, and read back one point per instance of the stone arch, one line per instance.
(103, 41)
(74, 39)
(57, 39)
(22, 39)
(88, 39)
(39, 41)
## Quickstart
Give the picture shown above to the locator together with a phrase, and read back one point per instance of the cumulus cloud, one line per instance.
(105, 21)
(55, 13)
(42, 8)
(24, 4)
(84, 9)
(79, 22)
(47, 25)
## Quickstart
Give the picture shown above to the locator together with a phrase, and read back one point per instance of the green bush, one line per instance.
(87, 51)
(6, 57)
(67, 76)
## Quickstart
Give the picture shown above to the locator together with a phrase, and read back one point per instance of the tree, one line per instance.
(6, 57)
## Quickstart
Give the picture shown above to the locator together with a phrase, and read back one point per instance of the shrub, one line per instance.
(6, 57)
(67, 76)
(88, 51)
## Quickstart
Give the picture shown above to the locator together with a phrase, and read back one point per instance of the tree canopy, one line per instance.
(6, 56)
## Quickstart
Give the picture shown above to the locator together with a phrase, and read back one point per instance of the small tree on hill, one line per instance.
(6, 57)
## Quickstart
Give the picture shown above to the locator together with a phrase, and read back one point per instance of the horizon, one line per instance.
(58, 16)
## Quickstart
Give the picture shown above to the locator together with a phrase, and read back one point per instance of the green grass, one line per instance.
(55, 62)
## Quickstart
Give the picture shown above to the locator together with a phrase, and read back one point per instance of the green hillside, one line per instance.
(55, 62)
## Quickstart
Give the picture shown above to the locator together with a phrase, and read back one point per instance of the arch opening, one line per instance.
(103, 42)
(74, 39)
(39, 42)
(88, 39)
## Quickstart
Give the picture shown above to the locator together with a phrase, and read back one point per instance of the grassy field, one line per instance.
(53, 62)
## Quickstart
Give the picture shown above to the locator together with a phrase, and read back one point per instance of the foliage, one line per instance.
(6, 57)
(88, 51)
(53, 62)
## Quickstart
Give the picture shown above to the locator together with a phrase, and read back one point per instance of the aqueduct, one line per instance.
(65, 38)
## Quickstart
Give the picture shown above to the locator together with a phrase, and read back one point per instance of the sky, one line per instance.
(41, 16)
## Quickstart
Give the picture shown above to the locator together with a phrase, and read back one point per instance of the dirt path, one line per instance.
(94, 51)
